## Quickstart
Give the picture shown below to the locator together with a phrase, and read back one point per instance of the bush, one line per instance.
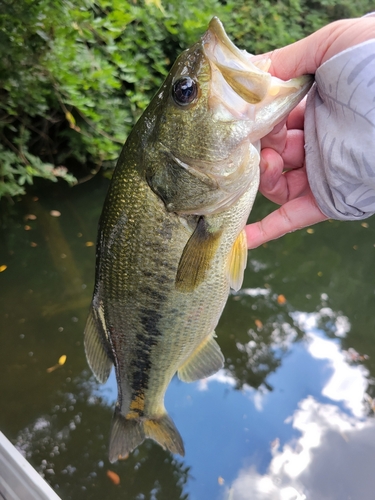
(263, 25)
(75, 76)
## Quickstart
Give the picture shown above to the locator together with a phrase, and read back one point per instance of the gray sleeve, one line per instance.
(340, 134)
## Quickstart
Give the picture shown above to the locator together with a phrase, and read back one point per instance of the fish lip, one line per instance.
(233, 73)
(243, 89)
(216, 29)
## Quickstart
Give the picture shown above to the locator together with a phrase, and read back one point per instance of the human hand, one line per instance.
(282, 167)
(284, 181)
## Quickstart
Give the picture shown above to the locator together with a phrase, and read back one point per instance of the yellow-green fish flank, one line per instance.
(171, 239)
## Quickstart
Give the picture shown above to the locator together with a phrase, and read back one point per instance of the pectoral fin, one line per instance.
(206, 360)
(197, 256)
(96, 348)
(237, 261)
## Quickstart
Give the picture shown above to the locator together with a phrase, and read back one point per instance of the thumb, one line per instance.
(296, 59)
(306, 55)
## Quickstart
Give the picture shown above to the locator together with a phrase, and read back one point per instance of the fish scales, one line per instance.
(171, 239)
(136, 312)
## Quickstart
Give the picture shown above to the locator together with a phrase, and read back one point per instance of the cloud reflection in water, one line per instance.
(333, 457)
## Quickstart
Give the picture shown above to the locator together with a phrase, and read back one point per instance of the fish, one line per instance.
(171, 241)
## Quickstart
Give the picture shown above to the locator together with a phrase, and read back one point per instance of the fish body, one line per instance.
(171, 239)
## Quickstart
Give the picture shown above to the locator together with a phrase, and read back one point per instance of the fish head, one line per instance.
(206, 122)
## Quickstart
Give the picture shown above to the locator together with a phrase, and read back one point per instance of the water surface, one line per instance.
(290, 417)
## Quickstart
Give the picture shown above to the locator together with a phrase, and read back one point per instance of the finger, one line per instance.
(346, 33)
(284, 187)
(271, 183)
(278, 126)
(306, 55)
(294, 151)
(296, 59)
(279, 187)
(275, 139)
(296, 214)
(296, 185)
(296, 117)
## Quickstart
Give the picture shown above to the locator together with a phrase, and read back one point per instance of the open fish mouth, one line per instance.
(239, 86)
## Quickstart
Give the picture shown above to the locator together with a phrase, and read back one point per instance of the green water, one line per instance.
(289, 418)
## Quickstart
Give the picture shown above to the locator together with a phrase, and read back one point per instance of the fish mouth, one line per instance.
(240, 87)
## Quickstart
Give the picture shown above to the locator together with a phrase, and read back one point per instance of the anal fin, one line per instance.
(237, 261)
(206, 360)
(96, 348)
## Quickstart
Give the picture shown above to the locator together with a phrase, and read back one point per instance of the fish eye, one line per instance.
(184, 91)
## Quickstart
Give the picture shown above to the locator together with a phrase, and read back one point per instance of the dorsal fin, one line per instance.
(96, 347)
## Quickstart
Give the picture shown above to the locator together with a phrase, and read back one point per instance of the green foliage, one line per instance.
(263, 25)
(76, 75)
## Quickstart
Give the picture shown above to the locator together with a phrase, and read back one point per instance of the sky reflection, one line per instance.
(332, 459)
(332, 456)
(307, 438)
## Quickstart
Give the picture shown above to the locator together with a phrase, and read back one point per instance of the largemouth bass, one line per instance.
(171, 239)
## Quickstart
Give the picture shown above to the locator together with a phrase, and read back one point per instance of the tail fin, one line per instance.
(164, 432)
(127, 434)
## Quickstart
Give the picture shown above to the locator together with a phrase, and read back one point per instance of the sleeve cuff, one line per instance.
(340, 134)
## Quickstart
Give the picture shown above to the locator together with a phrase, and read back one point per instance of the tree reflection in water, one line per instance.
(69, 447)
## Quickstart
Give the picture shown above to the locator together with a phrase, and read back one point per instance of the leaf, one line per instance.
(281, 299)
(70, 119)
(104, 60)
(62, 360)
(115, 478)
(258, 323)
(2, 268)
(157, 4)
